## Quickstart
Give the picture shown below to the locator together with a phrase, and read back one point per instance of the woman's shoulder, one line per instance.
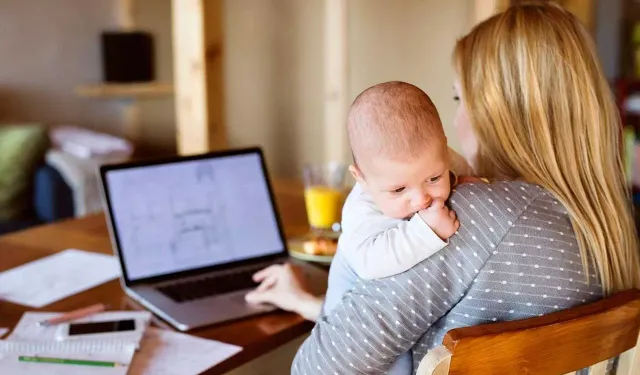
(499, 191)
(511, 204)
(503, 201)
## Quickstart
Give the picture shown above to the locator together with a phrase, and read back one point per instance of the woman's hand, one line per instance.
(284, 286)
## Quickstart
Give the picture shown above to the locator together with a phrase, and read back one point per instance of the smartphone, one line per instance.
(76, 329)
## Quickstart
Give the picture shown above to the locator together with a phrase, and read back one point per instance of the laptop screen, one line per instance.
(191, 214)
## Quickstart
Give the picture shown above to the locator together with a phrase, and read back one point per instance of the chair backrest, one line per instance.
(558, 343)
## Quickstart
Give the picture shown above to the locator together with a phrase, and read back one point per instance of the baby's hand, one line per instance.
(440, 219)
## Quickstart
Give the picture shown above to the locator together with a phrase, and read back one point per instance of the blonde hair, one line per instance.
(393, 119)
(542, 110)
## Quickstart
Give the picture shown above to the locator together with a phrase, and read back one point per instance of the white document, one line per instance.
(11, 351)
(3, 331)
(56, 277)
(28, 330)
(171, 353)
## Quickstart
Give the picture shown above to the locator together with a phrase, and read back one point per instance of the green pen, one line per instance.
(64, 361)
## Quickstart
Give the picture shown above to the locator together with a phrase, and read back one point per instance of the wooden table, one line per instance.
(257, 335)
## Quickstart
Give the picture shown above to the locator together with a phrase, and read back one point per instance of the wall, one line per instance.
(274, 79)
(274, 66)
(408, 40)
(46, 48)
(49, 47)
(157, 115)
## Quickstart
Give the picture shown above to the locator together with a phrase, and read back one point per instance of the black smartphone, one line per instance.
(76, 329)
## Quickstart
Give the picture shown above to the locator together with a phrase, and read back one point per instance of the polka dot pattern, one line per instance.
(498, 267)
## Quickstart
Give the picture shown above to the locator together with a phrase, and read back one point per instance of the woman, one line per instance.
(536, 115)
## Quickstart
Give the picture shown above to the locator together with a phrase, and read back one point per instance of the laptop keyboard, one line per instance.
(211, 286)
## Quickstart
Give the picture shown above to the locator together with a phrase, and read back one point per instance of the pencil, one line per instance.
(72, 315)
(66, 361)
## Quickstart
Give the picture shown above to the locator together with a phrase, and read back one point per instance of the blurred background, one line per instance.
(114, 79)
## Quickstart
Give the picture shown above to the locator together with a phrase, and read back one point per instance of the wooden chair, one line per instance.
(554, 344)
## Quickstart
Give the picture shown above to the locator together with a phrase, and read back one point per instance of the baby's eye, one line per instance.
(398, 190)
(434, 179)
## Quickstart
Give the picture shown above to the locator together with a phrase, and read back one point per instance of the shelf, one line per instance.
(125, 90)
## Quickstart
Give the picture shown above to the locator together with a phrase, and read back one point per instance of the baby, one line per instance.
(396, 216)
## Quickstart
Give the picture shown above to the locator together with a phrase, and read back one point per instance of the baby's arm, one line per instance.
(378, 246)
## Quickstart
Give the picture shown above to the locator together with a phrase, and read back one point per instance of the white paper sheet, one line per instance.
(28, 330)
(10, 351)
(3, 331)
(55, 277)
(171, 353)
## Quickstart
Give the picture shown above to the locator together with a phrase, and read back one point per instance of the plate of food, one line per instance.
(318, 249)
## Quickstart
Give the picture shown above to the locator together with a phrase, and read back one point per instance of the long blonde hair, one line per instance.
(542, 111)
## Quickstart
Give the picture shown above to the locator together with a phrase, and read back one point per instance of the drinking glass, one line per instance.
(324, 195)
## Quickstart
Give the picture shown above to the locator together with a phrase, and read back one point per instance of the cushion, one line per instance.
(22, 150)
(52, 197)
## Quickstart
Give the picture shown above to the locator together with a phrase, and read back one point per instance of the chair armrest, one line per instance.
(436, 362)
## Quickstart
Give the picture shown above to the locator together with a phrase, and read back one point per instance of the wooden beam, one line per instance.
(198, 85)
(214, 53)
(336, 66)
(126, 21)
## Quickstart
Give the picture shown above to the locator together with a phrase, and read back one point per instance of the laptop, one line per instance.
(190, 232)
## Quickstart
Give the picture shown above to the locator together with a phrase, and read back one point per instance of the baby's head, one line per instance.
(399, 148)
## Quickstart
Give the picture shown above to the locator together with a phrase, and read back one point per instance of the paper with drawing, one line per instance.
(55, 277)
(171, 353)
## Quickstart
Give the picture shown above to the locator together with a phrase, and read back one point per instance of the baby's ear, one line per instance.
(356, 173)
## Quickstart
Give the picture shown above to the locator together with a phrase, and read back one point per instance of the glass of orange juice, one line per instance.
(324, 194)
